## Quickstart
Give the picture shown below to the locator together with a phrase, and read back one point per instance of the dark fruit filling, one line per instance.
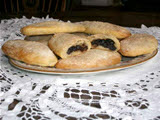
(82, 48)
(106, 43)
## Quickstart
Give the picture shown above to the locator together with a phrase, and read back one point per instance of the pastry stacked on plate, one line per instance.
(81, 45)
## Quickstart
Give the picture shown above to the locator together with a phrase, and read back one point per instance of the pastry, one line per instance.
(51, 27)
(85, 35)
(65, 45)
(96, 27)
(91, 59)
(40, 38)
(138, 44)
(104, 42)
(30, 52)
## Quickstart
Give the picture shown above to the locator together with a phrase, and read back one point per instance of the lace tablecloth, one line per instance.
(129, 94)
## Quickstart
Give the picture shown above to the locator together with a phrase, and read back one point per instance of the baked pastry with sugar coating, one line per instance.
(85, 35)
(51, 27)
(65, 45)
(91, 59)
(138, 44)
(39, 38)
(30, 52)
(104, 42)
(96, 27)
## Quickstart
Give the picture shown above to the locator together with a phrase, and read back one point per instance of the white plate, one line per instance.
(125, 63)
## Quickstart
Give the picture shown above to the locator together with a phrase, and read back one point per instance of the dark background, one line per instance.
(131, 13)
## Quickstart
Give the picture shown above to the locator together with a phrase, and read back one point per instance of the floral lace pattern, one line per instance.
(129, 94)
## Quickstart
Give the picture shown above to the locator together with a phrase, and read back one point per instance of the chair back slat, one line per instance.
(43, 5)
(49, 6)
(17, 6)
(56, 6)
(11, 2)
(5, 6)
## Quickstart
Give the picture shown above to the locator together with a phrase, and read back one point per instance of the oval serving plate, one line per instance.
(125, 63)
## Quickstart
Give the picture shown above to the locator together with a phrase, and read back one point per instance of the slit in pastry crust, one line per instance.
(104, 42)
(82, 48)
(65, 45)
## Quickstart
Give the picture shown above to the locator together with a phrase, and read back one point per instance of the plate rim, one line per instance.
(93, 70)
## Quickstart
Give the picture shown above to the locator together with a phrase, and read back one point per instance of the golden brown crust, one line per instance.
(85, 35)
(51, 27)
(91, 59)
(60, 43)
(40, 38)
(138, 44)
(30, 52)
(104, 36)
(96, 27)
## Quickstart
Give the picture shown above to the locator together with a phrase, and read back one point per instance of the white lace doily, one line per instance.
(129, 94)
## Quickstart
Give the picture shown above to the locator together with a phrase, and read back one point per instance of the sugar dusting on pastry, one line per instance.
(97, 27)
(51, 27)
(90, 59)
(138, 44)
(30, 52)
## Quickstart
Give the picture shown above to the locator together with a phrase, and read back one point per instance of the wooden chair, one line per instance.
(34, 6)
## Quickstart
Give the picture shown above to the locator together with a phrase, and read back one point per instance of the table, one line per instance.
(127, 94)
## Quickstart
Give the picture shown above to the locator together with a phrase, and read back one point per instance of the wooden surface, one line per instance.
(116, 15)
